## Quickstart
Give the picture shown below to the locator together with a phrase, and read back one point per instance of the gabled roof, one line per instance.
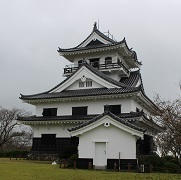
(135, 119)
(107, 113)
(96, 44)
(120, 88)
(95, 30)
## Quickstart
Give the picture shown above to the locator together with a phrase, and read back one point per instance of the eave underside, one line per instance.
(135, 118)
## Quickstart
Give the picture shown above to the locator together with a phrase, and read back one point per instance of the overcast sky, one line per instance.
(32, 30)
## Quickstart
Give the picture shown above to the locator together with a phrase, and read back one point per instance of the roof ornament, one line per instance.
(95, 26)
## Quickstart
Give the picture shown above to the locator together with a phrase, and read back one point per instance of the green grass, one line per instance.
(30, 170)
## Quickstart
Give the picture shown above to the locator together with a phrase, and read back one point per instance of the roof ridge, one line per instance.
(118, 119)
(95, 30)
(92, 69)
(102, 75)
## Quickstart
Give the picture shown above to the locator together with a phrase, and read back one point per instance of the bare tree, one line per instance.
(21, 142)
(169, 117)
(10, 128)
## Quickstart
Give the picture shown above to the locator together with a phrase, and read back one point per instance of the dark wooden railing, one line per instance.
(71, 69)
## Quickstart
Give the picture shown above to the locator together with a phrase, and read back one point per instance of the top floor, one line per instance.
(107, 63)
(103, 53)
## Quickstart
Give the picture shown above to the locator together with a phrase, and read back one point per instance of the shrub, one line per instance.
(68, 151)
(170, 167)
(13, 153)
(72, 158)
(166, 164)
(157, 162)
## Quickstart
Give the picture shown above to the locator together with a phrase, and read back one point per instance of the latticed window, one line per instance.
(79, 110)
(88, 83)
(49, 112)
(81, 84)
(108, 60)
(115, 109)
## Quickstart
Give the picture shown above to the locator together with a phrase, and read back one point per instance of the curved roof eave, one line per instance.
(107, 113)
(98, 73)
(73, 51)
(149, 102)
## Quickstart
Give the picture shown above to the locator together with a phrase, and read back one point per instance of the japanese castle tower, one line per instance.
(101, 107)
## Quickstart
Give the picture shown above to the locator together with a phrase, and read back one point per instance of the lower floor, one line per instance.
(48, 143)
(122, 164)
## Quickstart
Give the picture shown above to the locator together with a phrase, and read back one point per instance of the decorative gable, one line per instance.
(84, 83)
(94, 42)
(106, 120)
(84, 78)
(94, 39)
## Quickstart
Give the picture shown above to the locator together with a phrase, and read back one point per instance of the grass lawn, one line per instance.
(26, 170)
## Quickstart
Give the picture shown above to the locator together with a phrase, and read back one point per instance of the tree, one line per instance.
(169, 118)
(10, 129)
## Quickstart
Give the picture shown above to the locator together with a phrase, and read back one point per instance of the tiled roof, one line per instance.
(90, 47)
(132, 80)
(99, 33)
(124, 88)
(80, 93)
(100, 45)
(118, 119)
(103, 76)
(77, 117)
(56, 118)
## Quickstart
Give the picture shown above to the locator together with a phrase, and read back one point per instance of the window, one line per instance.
(79, 110)
(80, 63)
(88, 83)
(48, 139)
(115, 109)
(94, 62)
(108, 60)
(49, 112)
(81, 84)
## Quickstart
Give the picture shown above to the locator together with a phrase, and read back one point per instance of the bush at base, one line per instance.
(160, 164)
(170, 167)
(14, 154)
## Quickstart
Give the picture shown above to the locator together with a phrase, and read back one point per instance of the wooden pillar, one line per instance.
(64, 163)
(74, 164)
(89, 165)
(129, 167)
(114, 166)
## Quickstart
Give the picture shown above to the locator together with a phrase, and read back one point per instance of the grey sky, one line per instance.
(32, 30)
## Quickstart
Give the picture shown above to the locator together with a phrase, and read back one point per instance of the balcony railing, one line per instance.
(102, 67)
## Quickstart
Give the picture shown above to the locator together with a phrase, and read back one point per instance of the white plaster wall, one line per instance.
(94, 106)
(135, 105)
(118, 141)
(101, 55)
(59, 129)
(75, 85)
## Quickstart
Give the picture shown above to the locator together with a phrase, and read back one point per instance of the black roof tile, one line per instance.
(75, 117)
(124, 88)
(112, 116)
(80, 93)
